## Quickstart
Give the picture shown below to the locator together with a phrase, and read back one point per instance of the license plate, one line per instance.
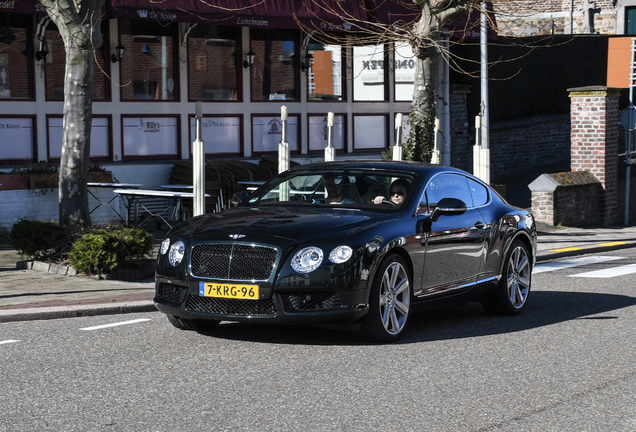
(232, 291)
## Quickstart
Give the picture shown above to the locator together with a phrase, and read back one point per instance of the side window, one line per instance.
(479, 193)
(448, 186)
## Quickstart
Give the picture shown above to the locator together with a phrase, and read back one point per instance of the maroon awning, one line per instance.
(245, 13)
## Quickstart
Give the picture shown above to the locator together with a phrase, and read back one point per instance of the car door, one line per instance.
(454, 245)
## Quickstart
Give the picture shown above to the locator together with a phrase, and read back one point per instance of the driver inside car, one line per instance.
(397, 193)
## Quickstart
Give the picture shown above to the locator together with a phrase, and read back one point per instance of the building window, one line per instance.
(152, 137)
(17, 129)
(16, 57)
(630, 20)
(221, 135)
(214, 57)
(369, 79)
(267, 132)
(100, 137)
(275, 70)
(369, 132)
(325, 79)
(404, 72)
(55, 66)
(318, 133)
(148, 69)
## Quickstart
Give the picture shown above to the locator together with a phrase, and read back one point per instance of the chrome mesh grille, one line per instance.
(172, 293)
(233, 261)
(231, 306)
(311, 301)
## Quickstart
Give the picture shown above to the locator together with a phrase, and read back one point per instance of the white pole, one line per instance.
(436, 156)
(485, 114)
(283, 154)
(397, 148)
(198, 166)
(330, 150)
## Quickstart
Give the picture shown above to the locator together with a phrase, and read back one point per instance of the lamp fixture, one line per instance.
(119, 53)
(249, 59)
(43, 52)
(309, 61)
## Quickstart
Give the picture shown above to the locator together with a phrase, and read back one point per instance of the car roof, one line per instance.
(407, 166)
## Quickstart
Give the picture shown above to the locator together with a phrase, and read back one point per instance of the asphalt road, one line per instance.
(566, 364)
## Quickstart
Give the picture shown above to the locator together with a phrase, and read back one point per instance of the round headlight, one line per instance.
(307, 260)
(340, 254)
(164, 246)
(176, 253)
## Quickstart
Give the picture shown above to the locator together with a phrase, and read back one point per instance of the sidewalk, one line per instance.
(31, 294)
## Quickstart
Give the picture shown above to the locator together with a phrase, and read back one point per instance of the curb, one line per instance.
(56, 312)
(596, 248)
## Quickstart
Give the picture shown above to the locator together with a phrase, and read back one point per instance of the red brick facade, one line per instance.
(594, 142)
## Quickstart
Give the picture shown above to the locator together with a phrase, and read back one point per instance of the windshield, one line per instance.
(350, 188)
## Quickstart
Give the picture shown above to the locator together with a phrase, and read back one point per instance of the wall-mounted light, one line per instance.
(309, 61)
(120, 50)
(43, 52)
(249, 59)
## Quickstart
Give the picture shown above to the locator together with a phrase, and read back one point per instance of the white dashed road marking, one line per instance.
(576, 262)
(116, 324)
(610, 272)
(8, 341)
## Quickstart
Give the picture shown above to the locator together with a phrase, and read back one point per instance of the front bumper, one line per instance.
(304, 306)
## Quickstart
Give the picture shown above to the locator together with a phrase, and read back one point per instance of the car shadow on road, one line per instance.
(467, 321)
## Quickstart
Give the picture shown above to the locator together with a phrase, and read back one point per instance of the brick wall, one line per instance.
(531, 18)
(594, 142)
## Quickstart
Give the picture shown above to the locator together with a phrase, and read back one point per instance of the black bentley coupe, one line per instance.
(358, 244)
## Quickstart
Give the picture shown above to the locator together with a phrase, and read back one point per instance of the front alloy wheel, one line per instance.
(512, 294)
(389, 302)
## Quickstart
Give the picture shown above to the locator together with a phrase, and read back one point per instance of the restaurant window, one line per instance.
(55, 65)
(369, 132)
(16, 57)
(325, 78)
(404, 72)
(100, 137)
(148, 69)
(369, 79)
(275, 69)
(213, 56)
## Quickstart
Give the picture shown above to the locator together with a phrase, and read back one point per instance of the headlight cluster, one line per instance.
(309, 259)
(177, 251)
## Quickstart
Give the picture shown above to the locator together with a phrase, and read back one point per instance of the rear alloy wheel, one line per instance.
(189, 324)
(389, 302)
(514, 288)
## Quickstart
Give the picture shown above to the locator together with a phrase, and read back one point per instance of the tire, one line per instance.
(196, 325)
(512, 294)
(389, 302)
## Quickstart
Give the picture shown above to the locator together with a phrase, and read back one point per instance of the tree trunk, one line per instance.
(80, 31)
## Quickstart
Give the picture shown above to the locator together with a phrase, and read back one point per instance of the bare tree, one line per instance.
(421, 23)
(78, 24)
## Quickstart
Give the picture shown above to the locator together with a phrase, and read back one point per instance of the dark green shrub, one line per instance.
(102, 251)
(41, 240)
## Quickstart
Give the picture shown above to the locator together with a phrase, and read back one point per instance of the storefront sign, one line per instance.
(267, 132)
(150, 136)
(221, 135)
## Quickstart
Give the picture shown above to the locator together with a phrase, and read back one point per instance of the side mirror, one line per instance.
(448, 207)
(238, 198)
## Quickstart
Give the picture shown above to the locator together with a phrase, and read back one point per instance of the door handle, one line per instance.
(480, 225)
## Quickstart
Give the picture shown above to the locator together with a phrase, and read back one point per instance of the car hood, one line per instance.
(269, 224)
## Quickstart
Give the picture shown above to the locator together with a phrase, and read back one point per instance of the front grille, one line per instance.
(311, 301)
(233, 261)
(172, 293)
(231, 306)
